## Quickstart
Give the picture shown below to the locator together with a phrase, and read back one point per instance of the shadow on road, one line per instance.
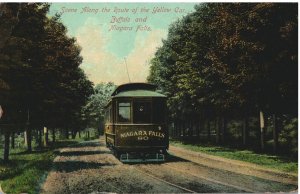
(83, 153)
(87, 144)
(171, 158)
(72, 166)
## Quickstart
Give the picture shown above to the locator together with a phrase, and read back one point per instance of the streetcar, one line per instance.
(135, 123)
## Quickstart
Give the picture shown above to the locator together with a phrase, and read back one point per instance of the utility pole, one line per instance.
(127, 69)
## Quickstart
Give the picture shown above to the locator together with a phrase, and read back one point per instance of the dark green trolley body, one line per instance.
(135, 124)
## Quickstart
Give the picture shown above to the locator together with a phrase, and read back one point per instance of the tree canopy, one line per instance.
(230, 60)
(230, 56)
(41, 81)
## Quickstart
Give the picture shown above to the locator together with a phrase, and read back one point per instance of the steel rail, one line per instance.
(167, 182)
(212, 180)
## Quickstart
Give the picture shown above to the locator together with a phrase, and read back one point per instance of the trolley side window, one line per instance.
(124, 115)
(106, 116)
(110, 115)
(142, 112)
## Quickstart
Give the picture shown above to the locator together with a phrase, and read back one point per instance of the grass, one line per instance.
(26, 171)
(283, 164)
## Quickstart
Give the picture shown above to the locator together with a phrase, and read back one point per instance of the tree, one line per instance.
(230, 60)
(39, 70)
(93, 111)
(8, 20)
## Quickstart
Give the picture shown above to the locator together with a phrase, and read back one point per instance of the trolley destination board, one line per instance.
(142, 134)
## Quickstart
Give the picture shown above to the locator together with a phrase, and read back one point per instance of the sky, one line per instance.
(113, 35)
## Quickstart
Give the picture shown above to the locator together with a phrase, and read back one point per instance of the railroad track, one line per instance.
(164, 181)
(212, 180)
(242, 189)
(115, 188)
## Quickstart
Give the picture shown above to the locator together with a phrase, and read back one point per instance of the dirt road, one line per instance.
(90, 167)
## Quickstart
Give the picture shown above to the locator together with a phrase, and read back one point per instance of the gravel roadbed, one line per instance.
(90, 167)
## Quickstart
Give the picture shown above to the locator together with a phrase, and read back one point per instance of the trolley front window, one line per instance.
(124, 115)
(142, 112)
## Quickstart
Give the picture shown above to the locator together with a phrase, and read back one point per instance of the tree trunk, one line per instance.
(198, 128)
(184, 128)
(245, 130)
(6, 146)
(36, 136)
(73, 134)
(46, 139)
(28, 132)
(275, 134)
(181, 129)
(224, 129)
(208, 129)
(53, 135)
(13, 140)
(79, 133)
(40, 138)
(174, 134)
(177, 129)
(25, 138)
(262, 130)
(202, 126)
(66, 133)
(188, 128)
(191, 128)
(218, 126)
(28, 139)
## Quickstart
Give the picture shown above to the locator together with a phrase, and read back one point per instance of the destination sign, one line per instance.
(142, 133)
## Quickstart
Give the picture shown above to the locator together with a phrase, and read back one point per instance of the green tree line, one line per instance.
(41, 83)
(230, 72)
(94, 110)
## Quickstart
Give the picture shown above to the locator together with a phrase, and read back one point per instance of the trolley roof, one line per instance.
(136, 90)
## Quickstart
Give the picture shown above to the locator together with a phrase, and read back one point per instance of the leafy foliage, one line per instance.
(94, 109)
(41, 82)
(230, 60)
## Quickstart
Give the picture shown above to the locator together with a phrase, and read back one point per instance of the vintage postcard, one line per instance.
(141, 97)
